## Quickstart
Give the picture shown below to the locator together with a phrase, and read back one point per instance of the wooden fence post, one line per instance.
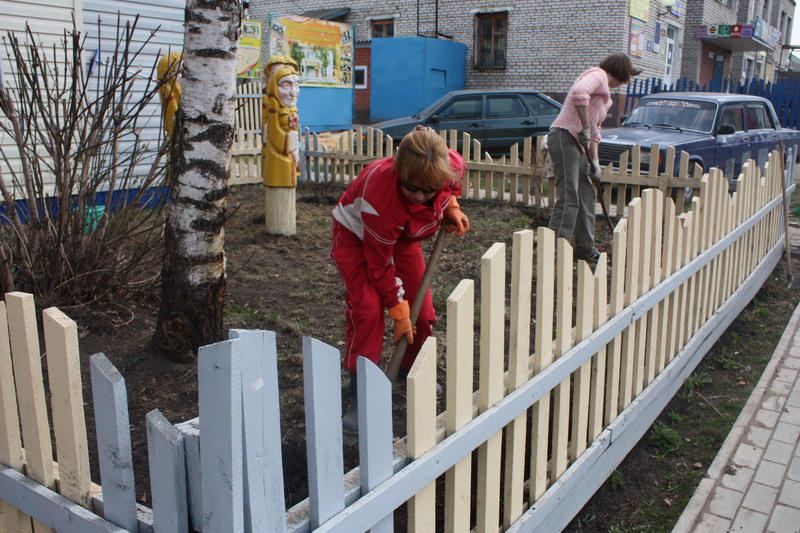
(10, 437)
(113, 443)
(264, 503)
(221, 437)
(493, 269)
(66, 390)
(322, 384)
(421, 429)
(167, 462)
(375, 439)
(460, 342)
(518, 356)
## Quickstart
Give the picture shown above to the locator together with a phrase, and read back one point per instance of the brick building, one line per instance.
(546, 45)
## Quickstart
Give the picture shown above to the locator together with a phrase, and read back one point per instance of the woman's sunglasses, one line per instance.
(415, 188)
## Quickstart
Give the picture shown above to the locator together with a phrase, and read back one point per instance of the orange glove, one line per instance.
(401, 314)
(456, 219)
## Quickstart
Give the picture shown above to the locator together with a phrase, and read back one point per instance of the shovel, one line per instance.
(593, 168)
(400, 348)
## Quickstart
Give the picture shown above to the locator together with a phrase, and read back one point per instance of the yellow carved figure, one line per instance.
(273, 63)
(170, 92)
(281, 151)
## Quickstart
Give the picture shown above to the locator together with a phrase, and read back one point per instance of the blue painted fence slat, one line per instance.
(221, 448)
(194, 485)
(167, 462)
(113, 443)
(375, 440)
(49, 507)
(323, 390)
(264, 506)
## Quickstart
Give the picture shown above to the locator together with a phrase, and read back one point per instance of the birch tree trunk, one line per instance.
(193, 272)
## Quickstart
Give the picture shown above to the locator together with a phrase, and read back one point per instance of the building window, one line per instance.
(382, 28)
(490, 49)
(728, 3)
(360, 81)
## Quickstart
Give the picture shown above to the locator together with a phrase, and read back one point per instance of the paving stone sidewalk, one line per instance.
(753, 485)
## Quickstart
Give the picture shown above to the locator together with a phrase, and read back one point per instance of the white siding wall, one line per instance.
(165, 17)
(48, 19)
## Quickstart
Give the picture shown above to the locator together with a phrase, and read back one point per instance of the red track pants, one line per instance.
(364, 312)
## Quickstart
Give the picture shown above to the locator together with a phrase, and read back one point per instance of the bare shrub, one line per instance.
(78, 222)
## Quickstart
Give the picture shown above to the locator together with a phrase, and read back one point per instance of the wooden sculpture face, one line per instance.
(289, 90)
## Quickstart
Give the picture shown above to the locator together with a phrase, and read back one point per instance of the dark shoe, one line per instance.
(591, 257)
(350, 418)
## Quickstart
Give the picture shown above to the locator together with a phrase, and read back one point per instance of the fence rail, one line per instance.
(591, 388)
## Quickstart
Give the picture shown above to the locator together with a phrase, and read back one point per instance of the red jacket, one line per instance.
(374, 209)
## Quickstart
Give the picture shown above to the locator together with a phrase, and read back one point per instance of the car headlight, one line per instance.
(645, 157)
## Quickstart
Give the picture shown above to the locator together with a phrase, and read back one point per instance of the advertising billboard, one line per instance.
(323, 49)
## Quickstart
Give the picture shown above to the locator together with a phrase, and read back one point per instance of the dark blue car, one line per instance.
(715, 129)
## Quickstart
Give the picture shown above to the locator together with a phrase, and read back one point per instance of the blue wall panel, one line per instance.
(325, 108)
(410, 73)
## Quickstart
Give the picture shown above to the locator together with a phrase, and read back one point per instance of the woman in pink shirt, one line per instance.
(577, 125)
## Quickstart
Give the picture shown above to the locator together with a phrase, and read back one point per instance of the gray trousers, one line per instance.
(574, 209)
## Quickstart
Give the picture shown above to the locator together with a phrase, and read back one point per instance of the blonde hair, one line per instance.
(423, 159)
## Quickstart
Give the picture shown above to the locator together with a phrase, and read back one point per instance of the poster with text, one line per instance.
(248, 57)
(636, 38)
(323, 49)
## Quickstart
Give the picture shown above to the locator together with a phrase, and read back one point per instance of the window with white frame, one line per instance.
(360, 80)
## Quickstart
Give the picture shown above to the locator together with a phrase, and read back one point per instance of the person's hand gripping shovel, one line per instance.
(393, 366)
(455, 221)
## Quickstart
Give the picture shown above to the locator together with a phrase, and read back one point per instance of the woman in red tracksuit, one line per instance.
(379, 221)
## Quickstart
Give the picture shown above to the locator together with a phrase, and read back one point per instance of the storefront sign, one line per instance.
(639, 9)
(737, 31)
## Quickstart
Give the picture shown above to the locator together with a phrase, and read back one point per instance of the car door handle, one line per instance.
(474, 125)
(527, 123)
(746, 139)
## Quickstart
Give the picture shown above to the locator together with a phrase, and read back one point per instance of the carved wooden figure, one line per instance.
(281, 163)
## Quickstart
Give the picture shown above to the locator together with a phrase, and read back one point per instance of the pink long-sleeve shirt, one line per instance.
(591, 90)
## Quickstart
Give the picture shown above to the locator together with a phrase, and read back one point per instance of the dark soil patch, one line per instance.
(289, 285)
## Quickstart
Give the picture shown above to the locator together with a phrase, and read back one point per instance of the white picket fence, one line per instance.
(591, 389)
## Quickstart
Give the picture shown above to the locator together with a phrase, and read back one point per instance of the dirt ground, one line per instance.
(289, 285)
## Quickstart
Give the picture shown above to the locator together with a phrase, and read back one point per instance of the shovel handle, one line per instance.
(594, 168)
(400, 348)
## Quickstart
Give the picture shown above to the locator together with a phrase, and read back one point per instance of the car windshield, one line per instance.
(673, 113)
